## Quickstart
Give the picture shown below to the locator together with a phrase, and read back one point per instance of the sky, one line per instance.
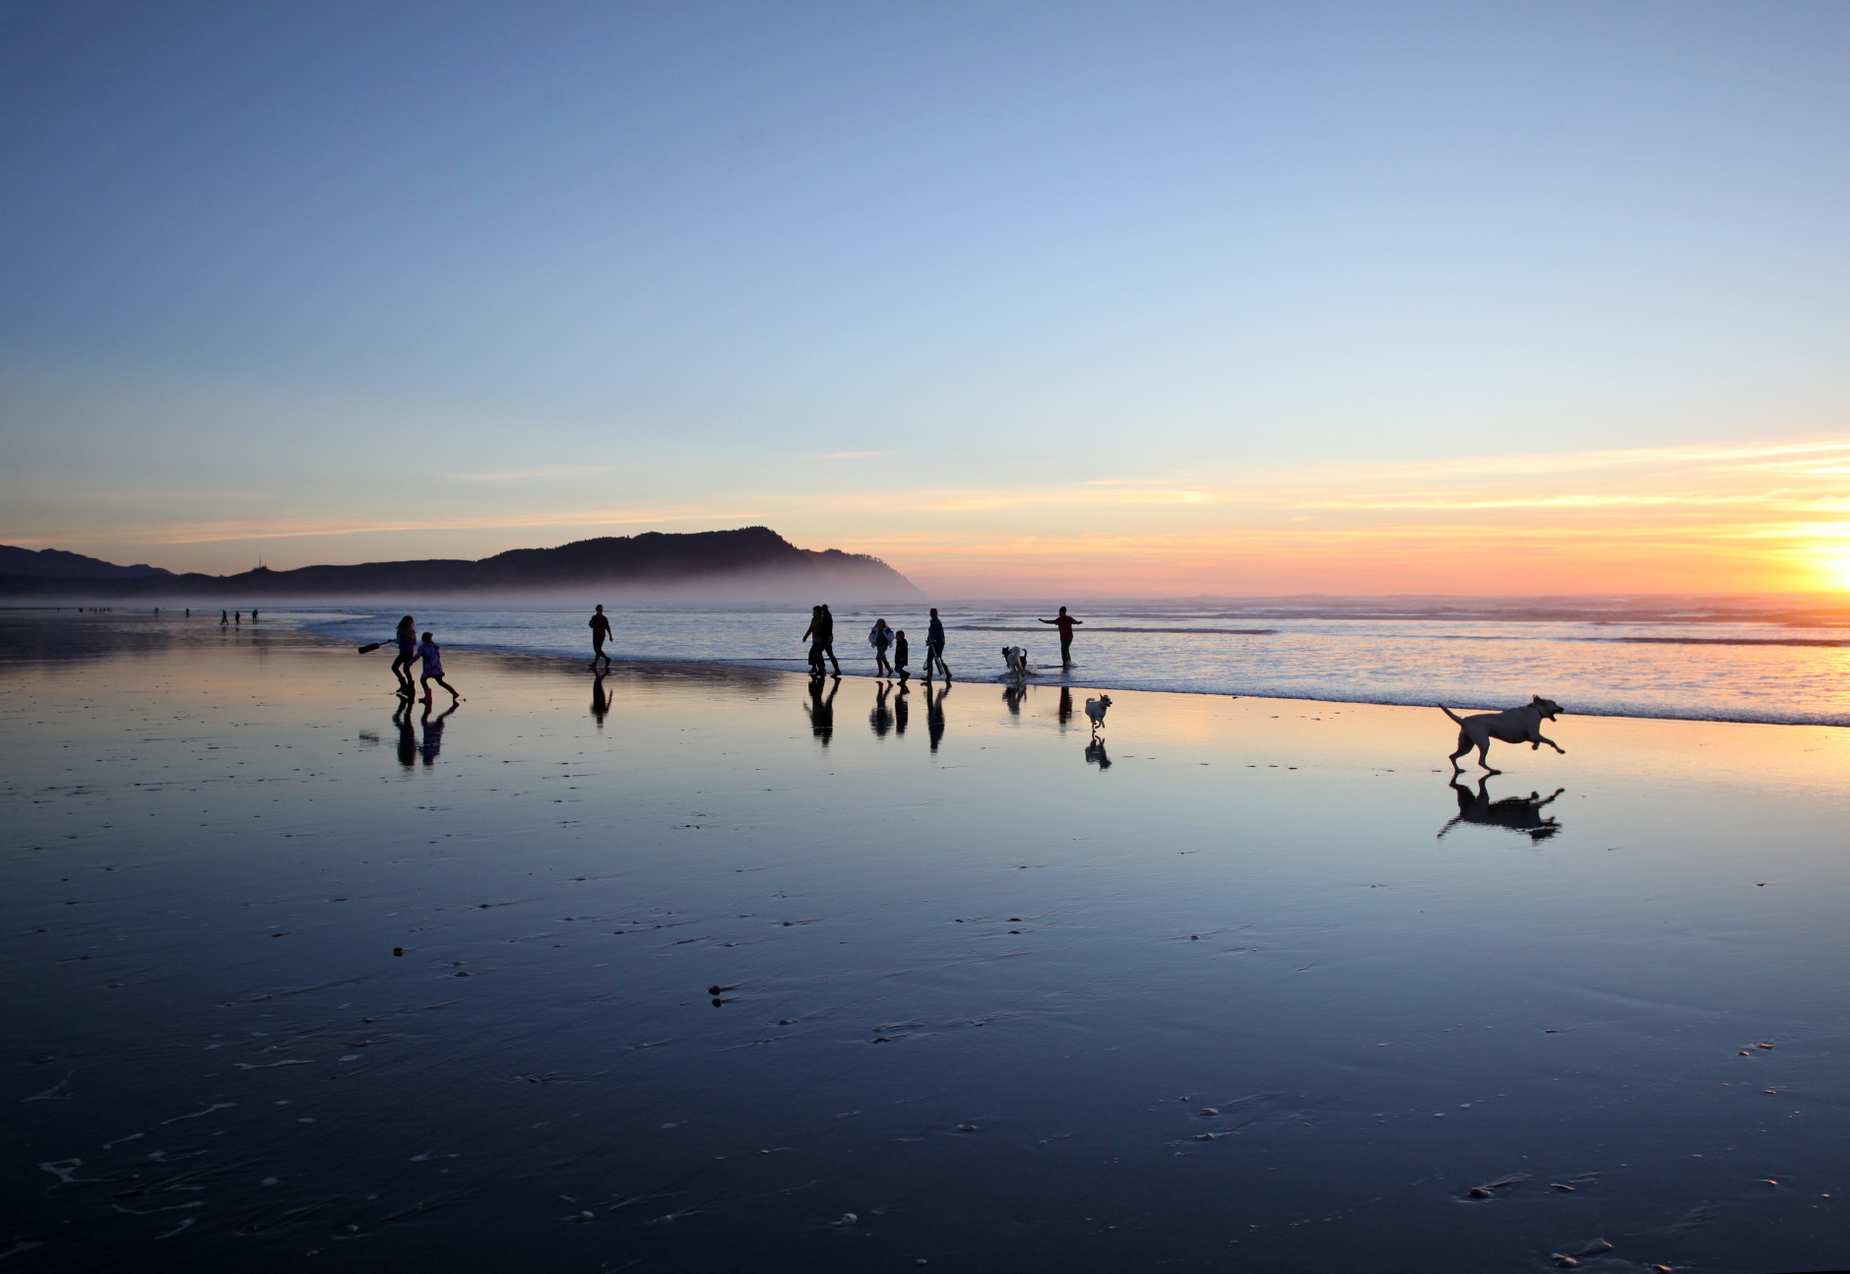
(1112, 299)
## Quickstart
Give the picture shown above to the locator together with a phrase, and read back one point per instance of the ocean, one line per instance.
(1694, 659)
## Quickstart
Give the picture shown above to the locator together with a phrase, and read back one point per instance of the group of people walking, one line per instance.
(821, 638)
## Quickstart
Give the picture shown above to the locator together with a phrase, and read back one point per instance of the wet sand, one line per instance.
(291, 982)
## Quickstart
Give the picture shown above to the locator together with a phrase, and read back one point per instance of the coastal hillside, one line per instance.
(750, 564)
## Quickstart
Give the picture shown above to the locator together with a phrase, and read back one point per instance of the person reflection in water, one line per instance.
(433, 732)
(822, 709)
(407, 737)
(1096, 755)
(1066, 707)
(901, 710)
(934, 713)
(600, 701)
(1517, 813)
(880, 719)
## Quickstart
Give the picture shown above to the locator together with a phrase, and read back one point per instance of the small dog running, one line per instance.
(1095, 708)
(1512, 725)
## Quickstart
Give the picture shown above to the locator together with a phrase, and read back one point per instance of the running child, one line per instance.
(432, 659)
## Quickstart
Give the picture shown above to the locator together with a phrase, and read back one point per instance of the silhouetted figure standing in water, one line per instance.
(600, 633)
(934, 714)
(822, 628)
(822, 710)
(901, 652)
(814, 637)
(406, 635)
(880, 637)
(224, 618)
(1064, 622)
(237, 619)
(600, 702)
(934, 646)
(189, 612)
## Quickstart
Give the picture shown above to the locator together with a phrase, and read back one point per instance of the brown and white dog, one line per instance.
(1512, 725)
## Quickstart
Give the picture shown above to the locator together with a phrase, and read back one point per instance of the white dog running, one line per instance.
(1095, 708)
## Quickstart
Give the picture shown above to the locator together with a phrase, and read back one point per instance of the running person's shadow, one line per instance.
(1517, 813)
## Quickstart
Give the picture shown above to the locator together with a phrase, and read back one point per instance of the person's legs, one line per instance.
(829, 650)
(425, 679)
(1066, 652)
(447, 686)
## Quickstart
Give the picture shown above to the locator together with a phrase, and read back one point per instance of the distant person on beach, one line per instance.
(900, 653)
(253, 614)
(934, 646)
(432, 659)
(815, 641)
(237, 618)
(406, 636)
(600, 633)
(828, 638)
(224, 618)
(1064, 622)
(189, 612)
(880, 637)
(822, 629)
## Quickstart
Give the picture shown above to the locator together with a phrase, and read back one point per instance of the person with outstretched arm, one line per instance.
(1064, 622)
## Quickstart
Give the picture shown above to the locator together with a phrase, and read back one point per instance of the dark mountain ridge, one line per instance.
(753, 562)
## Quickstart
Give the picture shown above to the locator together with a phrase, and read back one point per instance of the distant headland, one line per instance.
(750, 564)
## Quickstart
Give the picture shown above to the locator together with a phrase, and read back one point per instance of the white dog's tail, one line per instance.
(1453, 715)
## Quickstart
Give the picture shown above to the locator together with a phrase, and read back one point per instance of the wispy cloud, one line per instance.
(536, 474)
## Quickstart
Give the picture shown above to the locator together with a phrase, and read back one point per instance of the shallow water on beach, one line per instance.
(1251, 985)
(1699, 661)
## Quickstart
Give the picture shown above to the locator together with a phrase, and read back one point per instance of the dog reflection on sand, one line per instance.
(1518, 813)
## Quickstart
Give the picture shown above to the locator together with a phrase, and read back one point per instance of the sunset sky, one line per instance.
(1093, 298)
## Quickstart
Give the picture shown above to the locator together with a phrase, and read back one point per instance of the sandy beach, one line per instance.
(1253, 986)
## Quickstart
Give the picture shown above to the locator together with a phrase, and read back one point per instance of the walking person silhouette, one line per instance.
(822, 628)
(880, 637)
(600, 633)
(1064, 622)
(934, 646)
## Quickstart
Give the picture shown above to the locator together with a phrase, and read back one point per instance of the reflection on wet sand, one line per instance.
(901, 709)
(600, 700)
(1012, 695)
(934, 713)
(433, 733)
(1096, 754)
(821, 709)
(1066, 707)
(880, 716)
(1517, 813)
(407, 736)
